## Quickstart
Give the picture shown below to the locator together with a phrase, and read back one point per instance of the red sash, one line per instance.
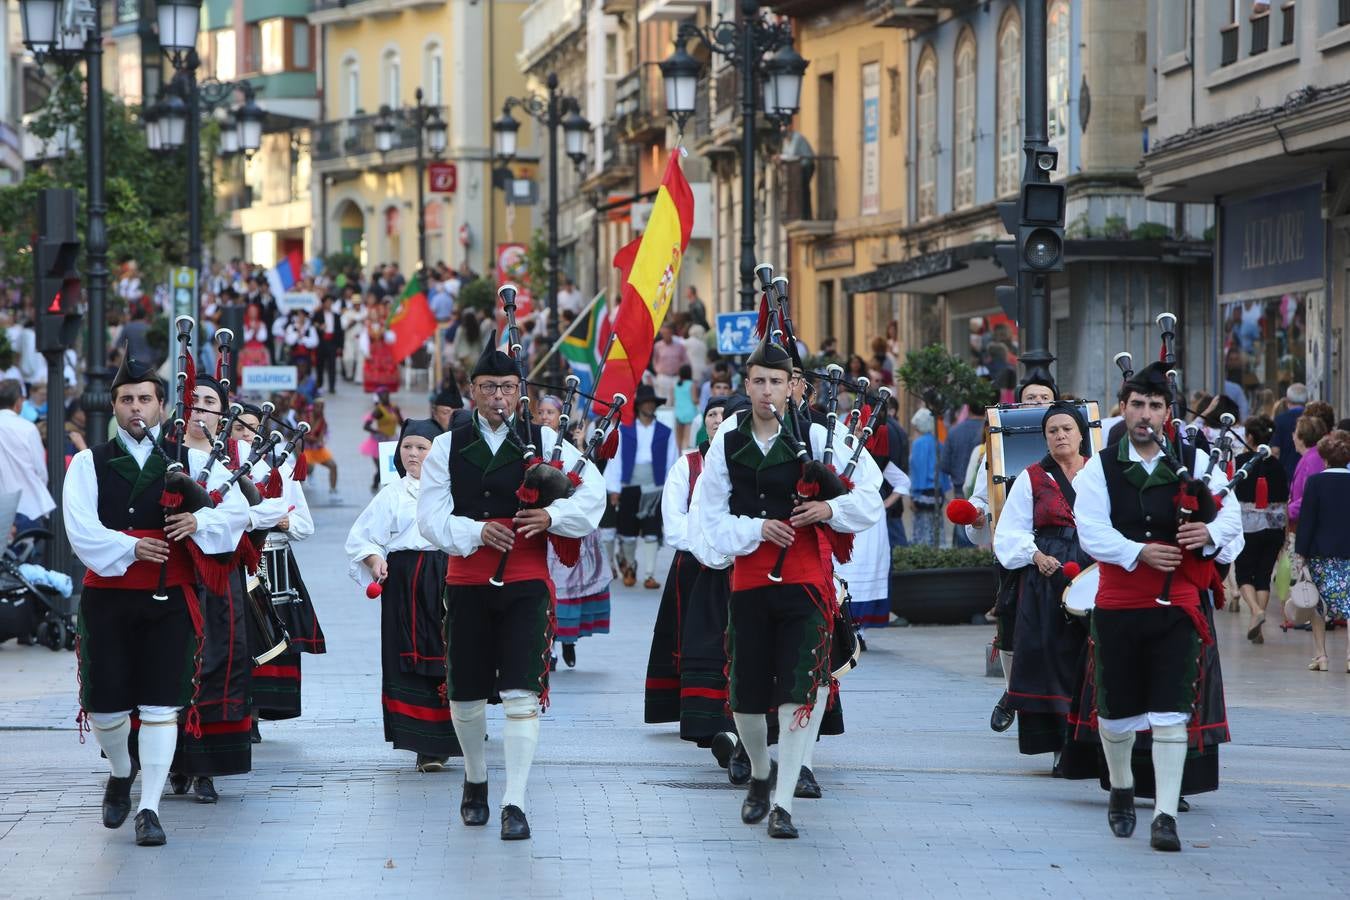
(528, 561)
(807, 562)
(1119, 589)
(143, 575)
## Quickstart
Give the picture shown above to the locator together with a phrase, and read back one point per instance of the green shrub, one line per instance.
(479, 294)
(1151, 231)
(918, 557)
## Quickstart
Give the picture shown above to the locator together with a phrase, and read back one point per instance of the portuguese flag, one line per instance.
(411, 321)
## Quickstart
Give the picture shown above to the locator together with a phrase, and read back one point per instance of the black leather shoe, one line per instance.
(117, 801)
(473, 806)
(179, 784)
(1001, 718)
(738, 767)
(254, 735)
(514, 825)
(1164, 835)
(1183, 806)
(570, 655)
(756, 804)
(1120, 812)
(148, 830)
(204, 790)
(807, 788)
(780, 824)
(723, 747)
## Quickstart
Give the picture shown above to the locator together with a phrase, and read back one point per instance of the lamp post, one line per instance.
(431, 135)
(71, 32)
(746, 44)
(554, 110)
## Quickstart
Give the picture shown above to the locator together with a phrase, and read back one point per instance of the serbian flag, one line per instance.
(411, 321)
(650, 271)
(284, 275)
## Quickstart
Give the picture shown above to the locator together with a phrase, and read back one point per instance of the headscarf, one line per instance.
(423, 428)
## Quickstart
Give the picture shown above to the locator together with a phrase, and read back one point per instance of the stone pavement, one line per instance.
(921, 798)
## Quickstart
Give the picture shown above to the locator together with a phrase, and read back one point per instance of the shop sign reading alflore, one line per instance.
(1272, 240)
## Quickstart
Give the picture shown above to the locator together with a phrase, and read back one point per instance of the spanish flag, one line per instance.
(650, 272)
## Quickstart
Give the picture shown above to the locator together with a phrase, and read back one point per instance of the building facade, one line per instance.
(377, 53)
(1248, 115)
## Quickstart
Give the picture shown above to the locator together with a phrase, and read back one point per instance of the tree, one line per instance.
(146, 193)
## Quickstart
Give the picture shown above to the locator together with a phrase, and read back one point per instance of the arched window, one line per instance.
(1057, 68)
(926, 134)
(963, 124)
(391, 71)
(1009, 103)
(351, 87)
(433, 73)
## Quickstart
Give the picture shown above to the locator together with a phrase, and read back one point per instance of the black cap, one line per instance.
(448, 396)
(647, 394)
(494, 362)
(210, 382)
(1037, 376)
(770, 356)
(1150, 381)
(423, 428)
(1066, 408)
(734, 404)
(133, 371)
(717, 403)
(252, 409)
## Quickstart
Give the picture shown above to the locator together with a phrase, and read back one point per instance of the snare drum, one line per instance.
(845, 649)
(276, 557)
(267, 638)
(1080, 597)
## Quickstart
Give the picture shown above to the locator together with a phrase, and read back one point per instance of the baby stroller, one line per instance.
(30, 613)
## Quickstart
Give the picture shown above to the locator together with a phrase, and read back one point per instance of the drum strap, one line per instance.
(1065, 486)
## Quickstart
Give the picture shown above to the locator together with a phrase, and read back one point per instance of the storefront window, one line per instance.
(1265, 344)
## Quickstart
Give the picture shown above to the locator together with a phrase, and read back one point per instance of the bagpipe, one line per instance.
(544, 481)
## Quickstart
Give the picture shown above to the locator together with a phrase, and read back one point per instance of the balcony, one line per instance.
(350, 143)
(807, 191)
(640, 105)
(544, 25)
(902, 13)
(618, 162)
(335, 12)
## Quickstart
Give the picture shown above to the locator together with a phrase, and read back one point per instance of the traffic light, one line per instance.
(56, 282)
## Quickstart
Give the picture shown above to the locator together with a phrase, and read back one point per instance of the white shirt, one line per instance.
(1015, 539)
(574, 516)
(306, 335)
(675, 504)
(23, 465)
(387, 524)
(645, 434)
(291, 503)
(729, 535)
(896, 478)
(1099, 538)
(110, 553)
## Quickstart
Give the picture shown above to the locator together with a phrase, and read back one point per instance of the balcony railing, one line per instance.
(807, 189)
(1228, 39)
(640, 102)
(356, 136)
(1260, 33)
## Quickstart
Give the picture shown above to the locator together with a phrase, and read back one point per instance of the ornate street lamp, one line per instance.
(40, 20)
(178, 23)
(680, 73)
(436, 132)
(575, 132)
(504, 133)
(150, 118)
(783, 74)
(173, 121)
(248, 120)
(229, 136)
(384, 130)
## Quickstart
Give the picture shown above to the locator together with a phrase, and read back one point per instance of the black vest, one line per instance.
(128, 496)
(1143, 515)
(762, 487)
(482, 484)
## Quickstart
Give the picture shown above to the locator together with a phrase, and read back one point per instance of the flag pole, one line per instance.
(590, 308)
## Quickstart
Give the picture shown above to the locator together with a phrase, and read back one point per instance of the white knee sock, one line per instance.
(793, 739)
(1169, 758)
(822, 697)
(111, 731)
(647, 557)
(470, 720)
(520, 737)
(1117, 748)
(1005, 657)
(157, 742)
(753, 729)
(626, 551)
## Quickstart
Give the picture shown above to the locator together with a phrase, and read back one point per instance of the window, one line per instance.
(273, 34)
(1057, 69)
(300, 58)
(351, 87)
(1009, 104)
(433, 67)
(392, 73)
(963, 124)
(253, 48)
(224, 53)
(926, 137)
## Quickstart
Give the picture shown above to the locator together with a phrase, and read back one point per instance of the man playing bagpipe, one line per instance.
(754, 505)
(1153, 529)
(475, 504)
(140, 620)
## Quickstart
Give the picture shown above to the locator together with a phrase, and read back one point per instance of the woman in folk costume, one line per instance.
(665, 694)
(255, 337)
(1036, 536)
(391, 560)
(284, 514)
(581, 592)
(379, 371)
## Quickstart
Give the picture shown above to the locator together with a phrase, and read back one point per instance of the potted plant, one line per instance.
(942, 586)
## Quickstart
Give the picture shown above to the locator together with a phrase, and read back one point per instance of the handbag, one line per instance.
(1303, 593)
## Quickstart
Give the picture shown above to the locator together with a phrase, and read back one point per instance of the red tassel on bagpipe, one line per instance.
(610, 445)
(879, 444)
(567, 549)
(216, 497)
(213, 574)
(1230, 470)
(1187, 502)
(847, 482)
(190, 383)
(271, 488)
(301, 464)
(527, 495)
(841, 544)
(170, 499)
(807, 489)
(1262, 493)
(575, 478)
(762, 323)
(248, 555)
